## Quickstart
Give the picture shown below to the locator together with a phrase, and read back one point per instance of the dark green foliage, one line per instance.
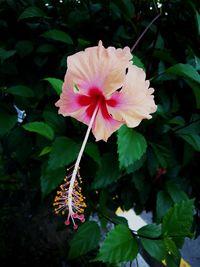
(154, 167)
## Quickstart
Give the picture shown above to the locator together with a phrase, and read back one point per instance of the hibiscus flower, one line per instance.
(103, 90)
(105, 78)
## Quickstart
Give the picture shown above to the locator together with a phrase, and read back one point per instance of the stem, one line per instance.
(76, 166)
(145, 30)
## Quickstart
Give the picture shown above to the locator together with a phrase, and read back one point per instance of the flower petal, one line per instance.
(99, 67)
(104, 125)
(135, 101)
(73, 103)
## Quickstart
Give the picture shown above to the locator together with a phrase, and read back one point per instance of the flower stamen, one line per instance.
(70, 198)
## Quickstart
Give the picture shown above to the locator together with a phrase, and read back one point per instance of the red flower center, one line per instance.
(95, 98)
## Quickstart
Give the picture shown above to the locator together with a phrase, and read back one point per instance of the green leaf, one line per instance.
(84, 240)
(136, 165)
(40, 128)
(175, 193)
(5, 54)
(192, 139)
(64, 151)
(58, 35)
(56, 84)
(31, 12)
(172, 261)
(136, 61)
(51, 179)
(150, 230)
(185, 71)
(56, 121)
(163, 203)
(20, 90)
(196, 90)
(119, 246)
(171, 247)
(7, 119)
(178, 219)
(131, 146)
(106, 175)
(155, 248)
(198, 21)
(93, 151)
(45, 151)
(162, 154)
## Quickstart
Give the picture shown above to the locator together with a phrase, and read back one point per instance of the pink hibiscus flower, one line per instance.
(103, 90)
(105, 78)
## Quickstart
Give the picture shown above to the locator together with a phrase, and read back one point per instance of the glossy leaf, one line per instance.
(150, 230)
(186, 71)
(171, 247)
(64, 151)
(106, 175)
(155, 248)
(51, 179)
(58, 35)
(84, 240)
(175, 192)
(56, 84)
(192, 139)
(119, 246)
(31, 12)
(93, 151)
(20, 90)
(136, 61)
(131, 146)
(41, 128)
(178, 219)
(163, 203)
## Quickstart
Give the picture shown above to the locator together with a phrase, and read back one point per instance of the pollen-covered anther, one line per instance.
(73, 203)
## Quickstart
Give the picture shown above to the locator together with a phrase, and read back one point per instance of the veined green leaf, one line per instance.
(178, 219)
(150, 230)
(119, 246)
(131, 146)
(64, 151)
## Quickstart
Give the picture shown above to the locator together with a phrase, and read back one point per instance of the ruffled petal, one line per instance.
(104, 127)
(99, 67)
(135, 101)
